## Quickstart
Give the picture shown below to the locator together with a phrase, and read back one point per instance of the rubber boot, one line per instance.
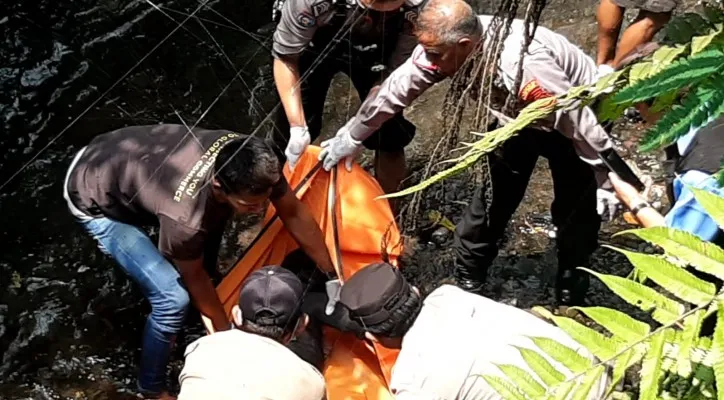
(469, 279)
(571, 287)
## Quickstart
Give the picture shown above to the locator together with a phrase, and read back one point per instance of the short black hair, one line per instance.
(247, 166)
(273, 332)
(401, 318)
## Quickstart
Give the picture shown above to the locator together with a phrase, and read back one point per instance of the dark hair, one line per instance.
(273, 332)
(401, 319)
(248, 166)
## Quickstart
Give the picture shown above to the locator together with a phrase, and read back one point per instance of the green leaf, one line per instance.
(701, 43)
(562, 391)
(684, 27)
(665, 101)
(665, 310)
(692, 326)
(504, 388)
(703, 256)
(607, 81)
(565, 355)
(704, 102)
(523, 381)
(713, 204)
(545, 370)
(592, 377)
(675, 280)
(608, 110)
(623, 363)
(601, 346)
(619, 324)
(717, 350)
(651, 370)
(682, 73)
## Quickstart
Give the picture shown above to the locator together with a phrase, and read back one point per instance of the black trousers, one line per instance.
(573, 210)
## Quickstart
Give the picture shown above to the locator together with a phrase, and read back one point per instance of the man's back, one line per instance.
(154, 175)
(239, 365)
(458, 337)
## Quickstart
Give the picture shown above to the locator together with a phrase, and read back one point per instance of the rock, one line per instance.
(441, 236)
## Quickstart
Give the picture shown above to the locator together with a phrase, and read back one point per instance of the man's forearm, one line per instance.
(204, 297)
(286, 78)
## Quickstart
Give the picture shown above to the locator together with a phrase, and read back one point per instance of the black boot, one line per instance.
(469, 279)
(571, 287)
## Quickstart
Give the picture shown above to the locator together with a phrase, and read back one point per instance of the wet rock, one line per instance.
(441, 236)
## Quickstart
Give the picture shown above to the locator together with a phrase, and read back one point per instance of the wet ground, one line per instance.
(69, 321)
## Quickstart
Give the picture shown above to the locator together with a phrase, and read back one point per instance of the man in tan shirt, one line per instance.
(448, 340)
(253, 361)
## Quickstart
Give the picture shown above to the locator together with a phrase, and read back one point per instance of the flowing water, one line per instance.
(69, 321)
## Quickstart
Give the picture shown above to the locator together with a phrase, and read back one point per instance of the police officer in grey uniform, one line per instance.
(365, 39)
(448, 31)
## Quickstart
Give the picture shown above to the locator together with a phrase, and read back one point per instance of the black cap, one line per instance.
(373, 293)
(271, 295)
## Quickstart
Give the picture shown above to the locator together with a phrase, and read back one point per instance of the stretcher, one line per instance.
(358, 230)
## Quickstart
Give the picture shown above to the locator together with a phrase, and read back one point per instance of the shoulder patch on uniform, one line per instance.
(421, 61)
(321, 7)
(533, 91)
(411, 16)
(306, 20)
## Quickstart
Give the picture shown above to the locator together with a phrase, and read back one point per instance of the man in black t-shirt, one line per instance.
(189, 183)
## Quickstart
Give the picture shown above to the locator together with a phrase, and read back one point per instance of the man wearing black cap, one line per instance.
(451, 338)
(253, 361)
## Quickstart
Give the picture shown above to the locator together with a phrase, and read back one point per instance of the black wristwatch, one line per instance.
(639, 206)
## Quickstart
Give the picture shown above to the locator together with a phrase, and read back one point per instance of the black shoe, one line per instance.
(469, 280)
(571, 287)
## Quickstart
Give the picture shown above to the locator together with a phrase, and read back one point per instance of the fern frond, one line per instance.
(563, 354)
(692, 326)
(531, 113)
(704, 103)
(675, 280)
(562, 391)
(701, 255)
(545, 371)
(621, 325)
(601, 346)
(524, 381)
(713, 204)
(651, 371)
(504, 388)
(682, 73)
(701, 43)
(623, 363)
(664, 310)
(717, 350)
(591, 378)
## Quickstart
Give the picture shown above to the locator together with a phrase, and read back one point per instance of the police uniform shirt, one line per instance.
(459, 336)
(300, 20)
(551, 67)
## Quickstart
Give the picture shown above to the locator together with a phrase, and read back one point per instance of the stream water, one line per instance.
(69, 321)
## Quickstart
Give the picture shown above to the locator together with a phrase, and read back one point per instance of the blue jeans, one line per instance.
(160, 283)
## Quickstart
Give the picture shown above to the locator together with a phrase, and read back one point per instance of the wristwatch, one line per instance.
(639, 206)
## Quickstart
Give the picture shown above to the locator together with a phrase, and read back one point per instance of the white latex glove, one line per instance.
(607, 204)
(299, 139)
(339, 147)
(333, 288)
